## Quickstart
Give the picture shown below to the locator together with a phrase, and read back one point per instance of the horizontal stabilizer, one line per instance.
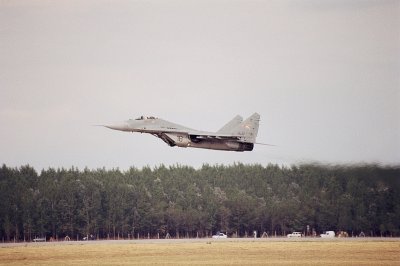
(265, 144)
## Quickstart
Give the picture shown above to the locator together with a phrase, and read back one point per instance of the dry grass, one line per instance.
(222, 253)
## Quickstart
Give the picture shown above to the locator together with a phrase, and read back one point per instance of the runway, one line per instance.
(206, 251)
(204, 240)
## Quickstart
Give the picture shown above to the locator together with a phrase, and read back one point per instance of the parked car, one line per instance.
(295, 234)
(328, 234)
(220, 235)
(39, 239)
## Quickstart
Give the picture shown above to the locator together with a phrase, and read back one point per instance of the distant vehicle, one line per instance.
(91, 237)
(236, 135)
(220, 235)
(295, 234)
(39, 239)
(342, 234)
(328, 234)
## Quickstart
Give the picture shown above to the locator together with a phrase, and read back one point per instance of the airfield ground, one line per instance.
(274, 251)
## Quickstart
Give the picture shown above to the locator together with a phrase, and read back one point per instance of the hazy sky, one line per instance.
(323, 75)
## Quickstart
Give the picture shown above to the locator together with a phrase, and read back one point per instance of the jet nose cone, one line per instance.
(118, 126)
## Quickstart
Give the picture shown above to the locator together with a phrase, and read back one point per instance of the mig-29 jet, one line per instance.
(236, 135)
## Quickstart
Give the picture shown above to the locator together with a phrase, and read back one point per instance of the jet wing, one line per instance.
(210, 135)
(215, 137)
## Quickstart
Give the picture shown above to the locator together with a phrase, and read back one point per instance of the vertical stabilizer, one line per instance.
(248, 129)
(231, 125)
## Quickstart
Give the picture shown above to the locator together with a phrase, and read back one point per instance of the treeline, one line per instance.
(185, 202)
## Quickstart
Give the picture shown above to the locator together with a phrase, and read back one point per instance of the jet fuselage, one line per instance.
(234, 136)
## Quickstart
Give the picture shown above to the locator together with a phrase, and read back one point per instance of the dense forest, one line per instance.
(186, 202)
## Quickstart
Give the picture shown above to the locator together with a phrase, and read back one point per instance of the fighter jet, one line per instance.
(236, 135)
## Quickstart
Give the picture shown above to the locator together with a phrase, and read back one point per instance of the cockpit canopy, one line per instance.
(145, 117)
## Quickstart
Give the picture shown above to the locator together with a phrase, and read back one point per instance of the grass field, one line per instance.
(206, 253)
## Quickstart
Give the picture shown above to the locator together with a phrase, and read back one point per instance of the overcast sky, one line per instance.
(323, 75)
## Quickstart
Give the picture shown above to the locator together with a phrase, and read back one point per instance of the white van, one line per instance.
(328, 234)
